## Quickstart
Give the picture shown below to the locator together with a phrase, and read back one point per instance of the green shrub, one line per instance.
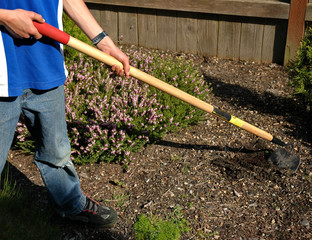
(300, 71)
(154, 228)
(110, 117)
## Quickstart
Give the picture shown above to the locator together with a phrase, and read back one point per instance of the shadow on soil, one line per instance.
(267, 103)
(22, 182)
(208, 147)
(69, 230)
(245, 158)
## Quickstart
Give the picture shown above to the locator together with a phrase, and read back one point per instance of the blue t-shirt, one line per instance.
(28, 63)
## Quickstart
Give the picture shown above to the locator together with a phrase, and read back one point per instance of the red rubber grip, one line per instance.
(52, 32)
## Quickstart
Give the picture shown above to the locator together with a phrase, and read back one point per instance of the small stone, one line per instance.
(84, 175)
(305, 222)
(237, 194)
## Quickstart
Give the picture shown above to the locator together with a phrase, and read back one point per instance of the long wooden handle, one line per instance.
(62, 37)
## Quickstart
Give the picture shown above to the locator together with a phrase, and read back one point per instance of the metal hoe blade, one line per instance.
(284, 159)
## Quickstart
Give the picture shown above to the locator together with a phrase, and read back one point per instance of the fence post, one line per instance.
(296, 27)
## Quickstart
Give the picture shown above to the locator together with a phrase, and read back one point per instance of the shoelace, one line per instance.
(91, 205)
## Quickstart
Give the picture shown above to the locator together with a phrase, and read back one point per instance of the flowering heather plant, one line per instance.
(180, 73)
(109, 117)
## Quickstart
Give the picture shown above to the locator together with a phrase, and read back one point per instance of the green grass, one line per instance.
(19, 218)
(152, 227)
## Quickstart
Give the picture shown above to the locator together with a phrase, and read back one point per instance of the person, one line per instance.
(32, 76)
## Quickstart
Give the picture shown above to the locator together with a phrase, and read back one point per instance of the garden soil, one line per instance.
(213, 174)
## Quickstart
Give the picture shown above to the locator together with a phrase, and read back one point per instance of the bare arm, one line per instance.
(19, 23)
(80, 14)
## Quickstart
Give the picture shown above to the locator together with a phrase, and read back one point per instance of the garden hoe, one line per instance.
(280, 157)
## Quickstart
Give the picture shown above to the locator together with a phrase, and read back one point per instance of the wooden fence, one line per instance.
(252, 30)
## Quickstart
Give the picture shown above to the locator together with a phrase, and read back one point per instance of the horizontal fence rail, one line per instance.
(235, 29)
(269, 9)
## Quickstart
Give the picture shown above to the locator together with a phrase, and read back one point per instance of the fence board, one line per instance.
(166, 30)
(128, 26)
(229, 38)
(147, 28)
(252, 8)
(251, 41)
(280, 41)
(186, 32)
(267, 53)
(207, 36)
(109, 22)
(308, 15)
(296, 26)
(96, 12)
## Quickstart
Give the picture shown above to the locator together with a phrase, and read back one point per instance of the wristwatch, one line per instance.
(99, 37)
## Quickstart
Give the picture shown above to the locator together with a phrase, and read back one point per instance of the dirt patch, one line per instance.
(217, 173)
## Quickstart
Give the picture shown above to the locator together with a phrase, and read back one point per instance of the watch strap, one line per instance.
(99, 37)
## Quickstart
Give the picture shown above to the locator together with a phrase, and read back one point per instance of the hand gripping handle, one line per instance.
(52, 32)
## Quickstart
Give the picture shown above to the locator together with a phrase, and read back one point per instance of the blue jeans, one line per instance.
(44, 113)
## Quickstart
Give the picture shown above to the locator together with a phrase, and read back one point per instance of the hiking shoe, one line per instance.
(96, 215)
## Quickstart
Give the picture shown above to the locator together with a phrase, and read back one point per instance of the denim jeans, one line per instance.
(44, 113)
